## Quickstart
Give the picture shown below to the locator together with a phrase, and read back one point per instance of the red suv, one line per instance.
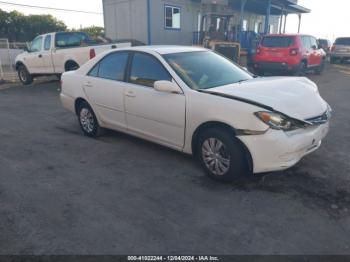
(290, 53)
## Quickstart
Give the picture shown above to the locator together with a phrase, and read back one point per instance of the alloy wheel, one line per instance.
(215, 156)
(87, 120)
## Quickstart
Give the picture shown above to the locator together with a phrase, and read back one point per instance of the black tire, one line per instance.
(24, 76)
(301, 70)
(238, 165)
(320, 68)
(88, 121)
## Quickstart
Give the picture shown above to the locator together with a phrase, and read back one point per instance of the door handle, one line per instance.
(88, 84)
(130, 94)
(40, 56)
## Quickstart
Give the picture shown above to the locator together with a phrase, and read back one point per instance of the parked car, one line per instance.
(289, 53)
(340, 50)
(193, 100)
(55, 53)
(326, 45)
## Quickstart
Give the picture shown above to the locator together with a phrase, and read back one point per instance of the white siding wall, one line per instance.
(126, 19)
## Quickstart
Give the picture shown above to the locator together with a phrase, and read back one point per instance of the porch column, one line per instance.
(267, 17)
(299, 16)
(285, 23)
(281, 20)
(243, 2)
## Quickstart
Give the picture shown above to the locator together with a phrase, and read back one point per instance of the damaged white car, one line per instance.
(198, 102)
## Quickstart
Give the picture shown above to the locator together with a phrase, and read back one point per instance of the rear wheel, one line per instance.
(71, 66)
(87, 120)
(24, 76)
(301, 69)
(221, 155)
(320, 68)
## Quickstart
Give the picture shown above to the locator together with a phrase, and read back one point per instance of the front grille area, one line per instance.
(322, 119)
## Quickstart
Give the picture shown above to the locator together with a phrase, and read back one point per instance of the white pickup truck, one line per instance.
(56, 53)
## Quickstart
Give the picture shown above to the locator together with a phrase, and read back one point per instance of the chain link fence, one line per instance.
(8, 53)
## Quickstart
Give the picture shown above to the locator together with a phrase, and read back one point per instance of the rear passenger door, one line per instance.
(46, 56)
(105, 86)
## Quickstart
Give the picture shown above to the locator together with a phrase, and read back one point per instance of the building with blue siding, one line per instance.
(186, 22)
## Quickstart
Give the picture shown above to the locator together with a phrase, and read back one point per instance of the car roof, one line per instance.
(166, 49)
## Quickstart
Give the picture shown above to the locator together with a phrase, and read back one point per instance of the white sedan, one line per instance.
(193, 100)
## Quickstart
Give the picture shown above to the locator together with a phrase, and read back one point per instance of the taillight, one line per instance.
(333, 48)
(92, 53)
(294, 51)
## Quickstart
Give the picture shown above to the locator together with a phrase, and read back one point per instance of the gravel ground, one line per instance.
(63, 193)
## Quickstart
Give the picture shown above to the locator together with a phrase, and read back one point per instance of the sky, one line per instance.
(327, 19)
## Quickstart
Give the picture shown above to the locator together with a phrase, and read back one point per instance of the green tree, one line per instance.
(18, 27)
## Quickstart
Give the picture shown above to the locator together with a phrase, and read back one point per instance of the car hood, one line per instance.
(297, 97)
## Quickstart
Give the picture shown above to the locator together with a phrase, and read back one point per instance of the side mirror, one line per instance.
(167, 86)
(314, 47)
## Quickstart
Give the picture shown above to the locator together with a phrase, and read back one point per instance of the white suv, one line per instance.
(196, 101)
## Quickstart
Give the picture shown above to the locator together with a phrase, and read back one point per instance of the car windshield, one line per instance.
(343, 41)
(205, 69)
(277, 41)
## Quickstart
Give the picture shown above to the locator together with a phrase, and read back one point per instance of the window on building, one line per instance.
(111, 67)
(47, 42)
(146, 70)
(245, 25)
(256, 27)
(172, 17)
(36, 44)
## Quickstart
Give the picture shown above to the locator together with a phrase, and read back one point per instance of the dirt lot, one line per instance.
(63, 193)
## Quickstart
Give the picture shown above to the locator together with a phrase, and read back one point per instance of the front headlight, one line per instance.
(279, 121)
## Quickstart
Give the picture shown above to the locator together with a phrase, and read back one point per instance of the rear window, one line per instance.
(71, 39)
(277, 41)
(343, 41)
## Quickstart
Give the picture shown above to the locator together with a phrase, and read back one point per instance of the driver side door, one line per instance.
(154, 115)
(34, 59)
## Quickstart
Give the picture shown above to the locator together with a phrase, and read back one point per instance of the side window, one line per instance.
(47, 42)
(172, 17)
(313, 42)
(111, 67)
(306, 42)
(37, 44)
(146, 70)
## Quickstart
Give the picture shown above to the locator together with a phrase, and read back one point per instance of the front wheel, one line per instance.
(221, 155)
(87, 120)
(24, 76)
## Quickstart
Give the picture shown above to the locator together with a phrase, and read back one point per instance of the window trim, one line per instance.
(99, 63)
(131, 61)
(165, 17)
(46, 37)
